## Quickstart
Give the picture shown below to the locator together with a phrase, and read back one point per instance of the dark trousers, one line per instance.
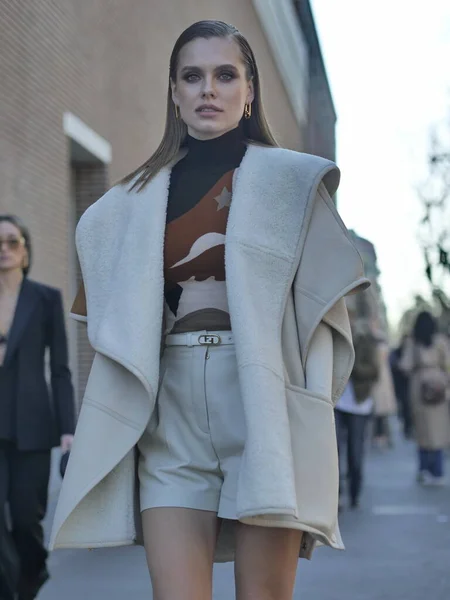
(431, 461)
(381, 427)
(405, 414)
(350, 431)
(24, 478)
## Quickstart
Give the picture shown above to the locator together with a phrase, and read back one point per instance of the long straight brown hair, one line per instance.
(256, 128)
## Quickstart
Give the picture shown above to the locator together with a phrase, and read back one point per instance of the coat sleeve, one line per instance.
(79, 310)
(330, 268)
(61, 381)
(319, 365)
(444, 353)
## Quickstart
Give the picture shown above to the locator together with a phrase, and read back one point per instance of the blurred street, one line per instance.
(397, 548)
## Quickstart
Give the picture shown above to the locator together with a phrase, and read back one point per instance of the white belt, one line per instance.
(200, 338)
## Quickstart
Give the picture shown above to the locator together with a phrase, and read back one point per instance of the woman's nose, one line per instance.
(208, 88)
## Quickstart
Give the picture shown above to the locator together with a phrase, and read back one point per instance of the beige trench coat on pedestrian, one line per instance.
(289, 263)
(383, 393)
(431, 423)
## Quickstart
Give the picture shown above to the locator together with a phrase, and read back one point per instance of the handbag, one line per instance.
(366, 368)
(433, 389)
(433, 385)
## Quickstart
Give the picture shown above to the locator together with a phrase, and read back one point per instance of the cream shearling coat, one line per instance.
(289, 263)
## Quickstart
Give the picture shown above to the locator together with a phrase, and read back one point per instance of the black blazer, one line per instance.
(39, 417)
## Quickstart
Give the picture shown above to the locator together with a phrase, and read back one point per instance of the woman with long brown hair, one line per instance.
(222, 342)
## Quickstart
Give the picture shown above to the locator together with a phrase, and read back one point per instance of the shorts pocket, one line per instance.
(314, 448)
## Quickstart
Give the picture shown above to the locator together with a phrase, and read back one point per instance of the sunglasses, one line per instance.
(12, 243)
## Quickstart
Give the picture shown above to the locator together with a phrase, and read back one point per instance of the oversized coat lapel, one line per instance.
(120, 247)
(26, 303)
(273, 198)
(134, 305)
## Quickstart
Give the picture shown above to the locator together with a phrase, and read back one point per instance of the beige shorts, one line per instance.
(190, 454)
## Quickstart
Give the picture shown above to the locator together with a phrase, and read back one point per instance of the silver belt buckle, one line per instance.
(209, 340)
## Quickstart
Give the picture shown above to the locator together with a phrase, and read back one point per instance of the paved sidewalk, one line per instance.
(398, 547)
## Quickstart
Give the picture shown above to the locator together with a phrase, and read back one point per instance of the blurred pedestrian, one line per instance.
(217, 243)
(352, 417)
(426, 358)
(32, 421)
(401, 387)
(354, 408)
(384, 402)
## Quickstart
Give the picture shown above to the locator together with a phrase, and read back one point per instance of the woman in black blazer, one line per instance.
(33, 418)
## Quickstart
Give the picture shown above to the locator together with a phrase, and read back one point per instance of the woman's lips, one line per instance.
(208, 112)
(208, 109)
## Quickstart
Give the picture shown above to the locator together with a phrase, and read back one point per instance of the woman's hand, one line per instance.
(66, 442)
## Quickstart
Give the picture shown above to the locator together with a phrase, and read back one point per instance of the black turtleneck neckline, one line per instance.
(224, 148)
(203, 166)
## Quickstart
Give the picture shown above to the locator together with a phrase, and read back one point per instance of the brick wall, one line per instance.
(35, 62)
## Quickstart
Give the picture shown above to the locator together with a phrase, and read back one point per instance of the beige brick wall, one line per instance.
(105, 61)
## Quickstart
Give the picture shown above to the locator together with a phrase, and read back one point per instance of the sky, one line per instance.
(388, 67)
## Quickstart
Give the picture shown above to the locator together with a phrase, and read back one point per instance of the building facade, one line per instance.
(82, 103)
(375, 303)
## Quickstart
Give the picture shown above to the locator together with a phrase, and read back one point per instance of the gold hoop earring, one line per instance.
(177, 111)
(248, 111)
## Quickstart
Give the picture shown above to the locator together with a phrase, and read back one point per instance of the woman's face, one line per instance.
(211, 88)
(13, 253)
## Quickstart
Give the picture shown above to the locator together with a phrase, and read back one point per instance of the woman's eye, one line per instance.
(191, 77)
(226, 76)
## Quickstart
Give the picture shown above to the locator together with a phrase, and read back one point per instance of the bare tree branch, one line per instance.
(434, 195)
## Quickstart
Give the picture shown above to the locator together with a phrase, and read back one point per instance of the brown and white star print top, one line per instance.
(194, 255)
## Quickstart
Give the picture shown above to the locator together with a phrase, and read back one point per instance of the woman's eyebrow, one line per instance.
(190, 69)
(229, 67)
(193, 69)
